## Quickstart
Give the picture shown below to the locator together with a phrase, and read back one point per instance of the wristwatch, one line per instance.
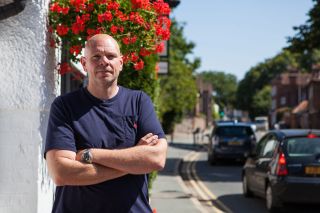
(86, 156)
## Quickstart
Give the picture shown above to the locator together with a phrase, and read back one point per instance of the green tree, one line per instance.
(178, 88)
(307, 39)
(225, 86)
(260, 76)
(262, 101)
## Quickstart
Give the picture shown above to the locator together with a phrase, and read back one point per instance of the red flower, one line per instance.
(75, 49)
(121, 29)
(138, 25)
(144, 52)
(62, 30)
(107, 16)
(133, 39)
(126, 40)
(114, 29)
(140, 4)
(161, 7)
(134, 57)
(113, 6)
(160, 47)
(139, 65)
(65, 10)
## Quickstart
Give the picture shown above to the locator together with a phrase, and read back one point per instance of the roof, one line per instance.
(288, 133)
(301, 107)
(234, 124)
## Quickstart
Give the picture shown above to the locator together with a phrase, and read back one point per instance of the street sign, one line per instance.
(163, 67)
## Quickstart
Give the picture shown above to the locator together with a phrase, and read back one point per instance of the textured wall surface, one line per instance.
(28, 86)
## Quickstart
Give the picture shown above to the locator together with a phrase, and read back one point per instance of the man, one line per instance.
(102, 140)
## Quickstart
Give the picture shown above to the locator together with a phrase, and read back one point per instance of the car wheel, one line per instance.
(272, 202)
(245, 188)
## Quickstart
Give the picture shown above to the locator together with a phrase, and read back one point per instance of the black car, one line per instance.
(231, 140)
(284, 168)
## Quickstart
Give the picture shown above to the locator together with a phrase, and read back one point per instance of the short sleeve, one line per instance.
(147, 120)
(60, 134)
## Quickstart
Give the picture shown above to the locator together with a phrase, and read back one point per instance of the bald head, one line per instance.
(98, 38)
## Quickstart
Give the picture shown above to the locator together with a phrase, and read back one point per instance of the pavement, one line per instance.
(169, 193)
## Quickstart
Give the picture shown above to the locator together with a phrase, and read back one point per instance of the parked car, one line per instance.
(231, 140)
(262, 123)
(284, 168)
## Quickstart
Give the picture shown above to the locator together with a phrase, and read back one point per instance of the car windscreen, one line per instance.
(302, 146)
(234, 131)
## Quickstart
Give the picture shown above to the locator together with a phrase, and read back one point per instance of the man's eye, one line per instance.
(96, 57)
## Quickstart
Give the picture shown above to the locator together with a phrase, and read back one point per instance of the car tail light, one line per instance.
(312, 135)
(282, 165)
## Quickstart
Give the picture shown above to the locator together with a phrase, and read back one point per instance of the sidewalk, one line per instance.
(169, 194)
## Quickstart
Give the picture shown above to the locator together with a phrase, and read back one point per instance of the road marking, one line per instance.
(205, 188)
(199, 188)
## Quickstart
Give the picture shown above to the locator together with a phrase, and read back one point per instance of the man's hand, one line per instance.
(79, 154)
(148, 139)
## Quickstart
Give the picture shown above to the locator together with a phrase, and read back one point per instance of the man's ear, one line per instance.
(83, 63)
(121, 61)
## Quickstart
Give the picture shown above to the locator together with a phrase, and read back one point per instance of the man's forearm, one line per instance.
(67, 171)
(135, 160)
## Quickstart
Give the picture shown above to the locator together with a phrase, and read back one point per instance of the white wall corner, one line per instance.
(29, 85)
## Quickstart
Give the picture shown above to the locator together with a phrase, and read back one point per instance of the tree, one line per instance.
(260, 76)
(262, 101)
(308, 36)
(178, 88)
(225, 86)
(307, 39)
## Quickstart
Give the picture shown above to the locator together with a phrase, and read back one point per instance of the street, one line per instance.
(224, 181)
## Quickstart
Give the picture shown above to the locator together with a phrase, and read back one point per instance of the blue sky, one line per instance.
(233, 36)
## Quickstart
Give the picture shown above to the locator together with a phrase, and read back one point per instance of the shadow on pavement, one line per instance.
(186, 146)
(237, 203)
(225, 172)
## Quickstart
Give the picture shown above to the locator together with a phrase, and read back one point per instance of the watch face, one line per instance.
(87, 156)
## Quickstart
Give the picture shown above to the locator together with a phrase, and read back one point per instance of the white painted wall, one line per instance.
(28, 86)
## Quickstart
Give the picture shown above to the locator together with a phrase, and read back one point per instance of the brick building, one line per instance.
(294, 99)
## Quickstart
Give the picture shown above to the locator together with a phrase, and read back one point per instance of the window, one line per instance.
(269, 148)
(266, 146)
(303, 146)
(283, 100)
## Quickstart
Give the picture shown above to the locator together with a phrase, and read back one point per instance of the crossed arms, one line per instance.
(66, 168)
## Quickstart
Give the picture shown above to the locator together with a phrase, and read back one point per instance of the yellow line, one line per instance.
(206, 190)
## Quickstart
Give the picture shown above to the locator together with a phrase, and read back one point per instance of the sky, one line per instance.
(233, 36)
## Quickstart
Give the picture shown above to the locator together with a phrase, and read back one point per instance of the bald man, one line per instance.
(103, 140)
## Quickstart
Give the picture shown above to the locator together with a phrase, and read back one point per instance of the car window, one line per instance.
(269, 147)
(261, 144)
(303, 146)
(233, 131)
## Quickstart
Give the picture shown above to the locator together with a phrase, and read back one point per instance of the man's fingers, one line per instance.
(148, 139)
(146, 136)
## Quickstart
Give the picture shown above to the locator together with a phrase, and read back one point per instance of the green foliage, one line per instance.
(225, 85)
(260, 76)
(262, 101)
(178, 88)
(307, 39)
(143, 79)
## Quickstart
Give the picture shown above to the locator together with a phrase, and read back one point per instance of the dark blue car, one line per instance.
(284, 168)
(231, 140)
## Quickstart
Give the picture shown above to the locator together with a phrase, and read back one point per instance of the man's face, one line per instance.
(102, 61)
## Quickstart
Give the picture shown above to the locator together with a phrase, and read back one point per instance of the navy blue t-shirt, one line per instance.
(79, 120)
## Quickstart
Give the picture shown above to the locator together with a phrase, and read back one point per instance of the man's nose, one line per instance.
(104, 60)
